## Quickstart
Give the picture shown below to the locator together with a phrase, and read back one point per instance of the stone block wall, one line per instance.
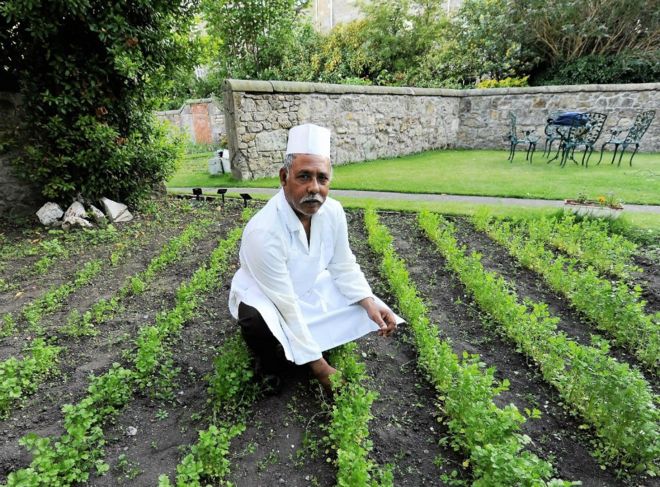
(366, 122)
(369, 122)
(16, 197)
(484, 114)
(201, 120)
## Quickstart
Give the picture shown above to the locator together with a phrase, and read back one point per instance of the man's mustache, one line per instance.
(311, 199)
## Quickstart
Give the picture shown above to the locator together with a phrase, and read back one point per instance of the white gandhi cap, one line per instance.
(309, 139)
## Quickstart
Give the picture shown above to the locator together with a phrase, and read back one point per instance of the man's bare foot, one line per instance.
(322, 370)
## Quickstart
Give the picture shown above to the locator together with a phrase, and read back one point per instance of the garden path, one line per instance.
(386, 195)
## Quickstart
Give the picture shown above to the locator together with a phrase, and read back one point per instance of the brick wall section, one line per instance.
(16, 197)
(201, 120)
(369, 122)
(201, 123)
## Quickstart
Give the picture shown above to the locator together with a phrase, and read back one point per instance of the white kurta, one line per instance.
(305, 293)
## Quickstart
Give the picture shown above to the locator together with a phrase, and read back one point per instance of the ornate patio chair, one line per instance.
(552, 133)
(586, 137)
(635, 133)
(530, 139)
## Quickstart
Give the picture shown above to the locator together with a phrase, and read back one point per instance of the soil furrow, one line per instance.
(42, 414)
(529, 285)
(102, 287)
(405, 430)
(649, 281)
(163, 428)
(555, 434)
(30, 287)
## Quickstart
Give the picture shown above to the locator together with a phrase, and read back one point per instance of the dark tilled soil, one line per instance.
(283, 444)
(41, 413)
(165, 428)
(26, 286)
(555, 435)
(649, 280)
(406, 430)
(529, 285)
(104, 286)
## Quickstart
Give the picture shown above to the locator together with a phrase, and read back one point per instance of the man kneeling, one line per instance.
(299, 290)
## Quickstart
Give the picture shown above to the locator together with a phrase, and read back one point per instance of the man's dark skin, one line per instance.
(306, 186)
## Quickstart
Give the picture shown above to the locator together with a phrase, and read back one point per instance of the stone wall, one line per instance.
(484, 113)
(16, 197)
(366, 122)
(371, 122)
(201, 120)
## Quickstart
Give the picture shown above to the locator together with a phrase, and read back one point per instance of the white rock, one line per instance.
(117, 212)
(96, 213)
(131, 431)
(73, 221)
(75, 210)
(49, 213)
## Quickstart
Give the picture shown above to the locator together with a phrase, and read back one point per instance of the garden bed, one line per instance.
(149, 432)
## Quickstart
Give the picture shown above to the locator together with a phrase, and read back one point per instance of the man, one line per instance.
(299, 290)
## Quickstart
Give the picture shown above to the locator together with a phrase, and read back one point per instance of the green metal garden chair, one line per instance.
(635, 133)
(584, 137)
(529, 138)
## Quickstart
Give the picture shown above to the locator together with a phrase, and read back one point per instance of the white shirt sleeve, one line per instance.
(345, 271)
(265, 259)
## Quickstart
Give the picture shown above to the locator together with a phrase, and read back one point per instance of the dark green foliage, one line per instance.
(256, 35)
(88, 72)
(626, 67)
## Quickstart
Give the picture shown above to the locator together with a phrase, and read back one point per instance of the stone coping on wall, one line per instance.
(192, 101)
(258, 86)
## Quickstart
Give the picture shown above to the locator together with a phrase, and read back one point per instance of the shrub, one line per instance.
(503, 83)
(626, 67)
(88, 74)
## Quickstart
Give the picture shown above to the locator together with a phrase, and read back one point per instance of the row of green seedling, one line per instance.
(489, 435)
(611, 306)
(348, 432)
(613, 398)
(19, 377)
(57, 248)
(231, 391)
(54, 298)
(589, 242)
(104, 309)
(71, 457)
(84, 325)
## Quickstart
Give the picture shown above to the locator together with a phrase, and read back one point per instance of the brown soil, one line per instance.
(555, 435)
(283, 443)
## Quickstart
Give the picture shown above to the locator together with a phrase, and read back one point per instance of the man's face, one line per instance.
(307, 184)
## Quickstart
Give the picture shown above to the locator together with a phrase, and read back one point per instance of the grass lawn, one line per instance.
(471, 172)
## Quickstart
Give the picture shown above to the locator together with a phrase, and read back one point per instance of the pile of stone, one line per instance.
(51, 214)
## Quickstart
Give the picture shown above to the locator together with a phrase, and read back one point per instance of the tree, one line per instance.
(482, 40)
(88, 72)
(256, 34)
(565, 30)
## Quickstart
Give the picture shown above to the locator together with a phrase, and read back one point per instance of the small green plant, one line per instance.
(612, 306)
(348, 432)
(613, 398)
(489, 435)
(19, 378)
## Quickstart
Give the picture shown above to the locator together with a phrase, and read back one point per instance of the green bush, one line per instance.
(88, 73)
(615, 68)
(503, 83)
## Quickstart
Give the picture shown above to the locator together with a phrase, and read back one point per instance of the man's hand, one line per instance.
(380, 315)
